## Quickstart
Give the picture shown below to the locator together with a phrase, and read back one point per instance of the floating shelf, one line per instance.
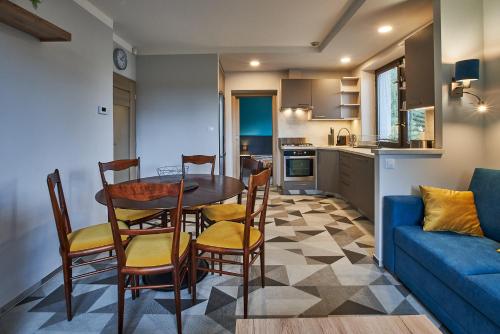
(350, 105)
(349, 91)
(350, 78)
(22, 19)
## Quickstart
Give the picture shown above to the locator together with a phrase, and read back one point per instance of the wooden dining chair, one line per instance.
(232, 238)
(150, 251)
(231, 211)
(195, 210)
(90, 240)
(129, 216)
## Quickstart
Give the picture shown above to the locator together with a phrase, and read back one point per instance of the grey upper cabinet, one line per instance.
(327, 171)
(326, 99)
(296, 93)
(419, 65)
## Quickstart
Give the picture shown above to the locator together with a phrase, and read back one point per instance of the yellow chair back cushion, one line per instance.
(154, 249)
(226, 234)
(93, 237)
(131, 215)
(450, 210)
(219, 212)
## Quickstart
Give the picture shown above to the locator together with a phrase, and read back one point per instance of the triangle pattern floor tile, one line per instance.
(325, 259)
(350, 308)
(404, 308)
(323, 277)
(353, 256)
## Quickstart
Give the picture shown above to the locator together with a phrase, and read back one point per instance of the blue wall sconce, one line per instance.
(466, 71)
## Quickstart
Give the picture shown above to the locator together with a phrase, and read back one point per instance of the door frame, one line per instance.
(126, 84)
(235, 116)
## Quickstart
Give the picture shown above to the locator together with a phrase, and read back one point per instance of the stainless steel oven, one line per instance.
(299, 165)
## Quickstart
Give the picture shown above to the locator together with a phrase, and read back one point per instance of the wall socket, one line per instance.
(101, 110)
(390, 163)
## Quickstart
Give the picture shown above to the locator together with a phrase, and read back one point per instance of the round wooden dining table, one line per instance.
(199, 189)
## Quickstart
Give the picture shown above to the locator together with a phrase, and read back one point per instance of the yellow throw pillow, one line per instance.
(450, 210)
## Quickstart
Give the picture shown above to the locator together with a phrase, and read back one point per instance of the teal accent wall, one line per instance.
(256, 116)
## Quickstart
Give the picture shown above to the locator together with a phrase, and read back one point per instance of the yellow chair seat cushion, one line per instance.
(93, 237)
(131, 215)
(153, 250)
(226, 234)
(219, 212)
(450, 210)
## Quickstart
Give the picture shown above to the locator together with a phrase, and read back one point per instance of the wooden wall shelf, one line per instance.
(22, 19)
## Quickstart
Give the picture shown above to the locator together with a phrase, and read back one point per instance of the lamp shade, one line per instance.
(467, 69)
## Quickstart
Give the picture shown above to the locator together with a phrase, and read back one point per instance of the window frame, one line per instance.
(402, 114)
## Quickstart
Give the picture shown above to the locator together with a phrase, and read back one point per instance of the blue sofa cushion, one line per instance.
(483, 291)
(485, 185)
(448, 255)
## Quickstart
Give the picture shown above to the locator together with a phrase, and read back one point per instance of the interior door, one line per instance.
(121, 139)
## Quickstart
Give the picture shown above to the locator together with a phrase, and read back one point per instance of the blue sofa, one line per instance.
(456, 277)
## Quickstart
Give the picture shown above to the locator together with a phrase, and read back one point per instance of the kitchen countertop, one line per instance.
(371, 152)
(366, 152)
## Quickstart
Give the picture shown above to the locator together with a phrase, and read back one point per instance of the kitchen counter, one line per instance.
(366, 152)
(372, 152)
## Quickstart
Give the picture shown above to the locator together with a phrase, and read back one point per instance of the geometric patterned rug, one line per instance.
(318, 263)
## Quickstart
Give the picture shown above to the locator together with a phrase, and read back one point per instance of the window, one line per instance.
(390, 113)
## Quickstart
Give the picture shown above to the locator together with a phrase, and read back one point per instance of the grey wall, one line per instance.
(177, 108)
(491, 9)
(130, 71)
(49, 94)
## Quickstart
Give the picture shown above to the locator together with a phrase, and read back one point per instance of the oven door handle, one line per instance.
(304, 157)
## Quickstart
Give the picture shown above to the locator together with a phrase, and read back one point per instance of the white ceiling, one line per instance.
(276, 32)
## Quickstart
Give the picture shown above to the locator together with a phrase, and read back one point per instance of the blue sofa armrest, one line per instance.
(398, 211)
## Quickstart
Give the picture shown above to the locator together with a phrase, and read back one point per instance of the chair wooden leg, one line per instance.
(184, 217)
(67, 286)
(177, 294)
(220, 264)
(121, 301)
(246, 270)
(110, 253)
(132, 284)
(194, 265)
(197, 224)
(212, 263)
(262, 267)
(137, 292)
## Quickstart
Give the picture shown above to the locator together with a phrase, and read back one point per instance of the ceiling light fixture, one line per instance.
(254, 63)
(384, 29)
(345, 60)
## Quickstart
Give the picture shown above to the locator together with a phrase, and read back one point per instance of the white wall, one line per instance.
(290, 124)
(491, 10)
(130, 71)
(49, 93)
(177, 109)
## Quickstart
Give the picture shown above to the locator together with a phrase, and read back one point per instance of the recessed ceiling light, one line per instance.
(254, 63)
(345, 60)
(384, 29)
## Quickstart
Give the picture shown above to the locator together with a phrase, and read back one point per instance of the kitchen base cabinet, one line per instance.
(356, 182)
(327, 173)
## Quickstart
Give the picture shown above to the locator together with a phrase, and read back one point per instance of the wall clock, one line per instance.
(120, 58)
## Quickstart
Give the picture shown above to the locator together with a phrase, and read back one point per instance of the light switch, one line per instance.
(101, 110)
(390, 163)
